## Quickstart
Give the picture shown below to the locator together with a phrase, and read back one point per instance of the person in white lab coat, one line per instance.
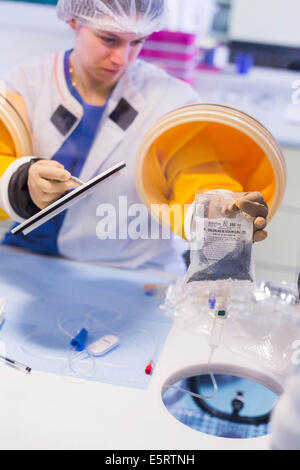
(88, 109)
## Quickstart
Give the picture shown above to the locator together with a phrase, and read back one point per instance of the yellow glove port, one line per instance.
(206, 147)
(15, 138)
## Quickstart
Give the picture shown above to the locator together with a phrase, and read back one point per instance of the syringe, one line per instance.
(16, 364)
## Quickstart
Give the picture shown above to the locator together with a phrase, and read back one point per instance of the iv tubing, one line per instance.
(196, 395)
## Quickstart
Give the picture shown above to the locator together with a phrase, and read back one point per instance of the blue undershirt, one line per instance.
(72, 154)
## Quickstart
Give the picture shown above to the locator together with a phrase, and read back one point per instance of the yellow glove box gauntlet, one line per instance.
(15, 136)
(204, 147)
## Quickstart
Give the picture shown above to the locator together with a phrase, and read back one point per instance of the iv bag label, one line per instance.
(220, 237)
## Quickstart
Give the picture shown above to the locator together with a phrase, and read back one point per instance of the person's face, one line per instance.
(106, 55)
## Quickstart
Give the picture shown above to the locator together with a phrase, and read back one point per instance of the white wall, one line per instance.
(266, 21)
(27, 30)
(191, 16)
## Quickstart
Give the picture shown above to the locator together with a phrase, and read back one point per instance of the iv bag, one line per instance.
(221, 239)
(263, 323)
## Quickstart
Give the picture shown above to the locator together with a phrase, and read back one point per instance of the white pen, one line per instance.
(72, 178)
(77, 180)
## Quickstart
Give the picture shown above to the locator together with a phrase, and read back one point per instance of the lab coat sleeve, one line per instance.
(5, 161)
(4, 183)
(23, 80)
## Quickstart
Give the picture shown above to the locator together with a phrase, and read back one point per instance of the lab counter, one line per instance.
(44, 411)
(269, 95)
(47, 410)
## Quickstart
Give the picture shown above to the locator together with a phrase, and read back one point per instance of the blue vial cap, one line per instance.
(78, 342)
(244, 63)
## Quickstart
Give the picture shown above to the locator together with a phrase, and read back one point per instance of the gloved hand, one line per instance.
(47, 181)
(254, 205)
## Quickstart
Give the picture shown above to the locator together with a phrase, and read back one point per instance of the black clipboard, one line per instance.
(65, 201)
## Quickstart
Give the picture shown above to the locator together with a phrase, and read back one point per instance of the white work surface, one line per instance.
(44, 411)
(47, 411)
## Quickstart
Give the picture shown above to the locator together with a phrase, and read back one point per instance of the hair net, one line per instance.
(134, 16)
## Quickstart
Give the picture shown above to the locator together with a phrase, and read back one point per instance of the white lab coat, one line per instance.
(152, 93)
